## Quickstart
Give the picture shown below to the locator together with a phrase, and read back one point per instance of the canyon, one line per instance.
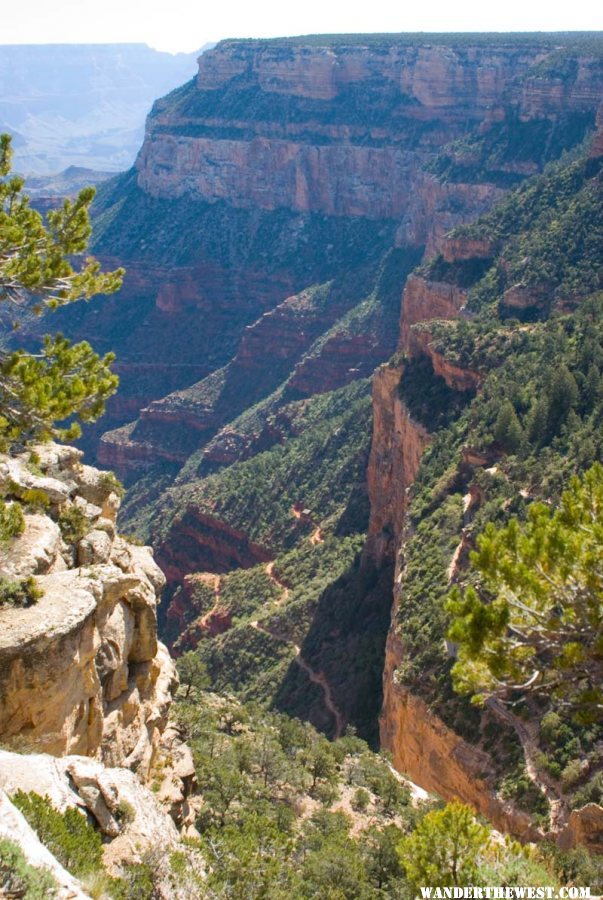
(371, 154)
(299, 233)
(343, 167)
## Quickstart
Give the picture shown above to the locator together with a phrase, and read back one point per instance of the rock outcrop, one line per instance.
(422, 746)
(424, 300)
(437, 758)
(82, 671)
(199, 542)
(396, 450)
(125, 811)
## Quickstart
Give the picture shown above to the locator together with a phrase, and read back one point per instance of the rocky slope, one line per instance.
(430, 750)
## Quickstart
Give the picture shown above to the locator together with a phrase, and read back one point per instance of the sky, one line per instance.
(180, 25)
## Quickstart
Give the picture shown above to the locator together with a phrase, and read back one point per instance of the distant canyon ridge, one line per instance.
(82, 105)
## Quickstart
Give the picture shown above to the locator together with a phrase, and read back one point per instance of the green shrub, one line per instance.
(19, 592)
(73, 524)
(20, 879)
(111, 483)
(36, 499)
(68, 836)
(12, 522)
(360, 800)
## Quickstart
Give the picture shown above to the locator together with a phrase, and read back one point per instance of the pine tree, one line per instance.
(592, 387)
(445, 848)
(64, 381)
(563, 398)
(507, 429)
(533, 622)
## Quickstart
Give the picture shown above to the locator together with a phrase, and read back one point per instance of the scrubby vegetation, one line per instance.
(287, 813)
(68, 836)
(533, 424)
(19, 592)
(20, 879)
(78, 845)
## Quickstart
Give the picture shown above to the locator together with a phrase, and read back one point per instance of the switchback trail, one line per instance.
(298, 513)
(283, 587)
(315, 677)
(216, 583)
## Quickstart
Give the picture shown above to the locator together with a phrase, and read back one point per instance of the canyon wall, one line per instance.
(310, 153)
(284, 164)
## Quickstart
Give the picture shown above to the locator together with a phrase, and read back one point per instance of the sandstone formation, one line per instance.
(396, 450)
(283, 165)
(423, 300)
(171, 428)
(198, 542)
(82, 671)
(417, 98)
(438, 759)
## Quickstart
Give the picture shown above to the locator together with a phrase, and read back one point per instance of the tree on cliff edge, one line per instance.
(533, 623)
(64, 382)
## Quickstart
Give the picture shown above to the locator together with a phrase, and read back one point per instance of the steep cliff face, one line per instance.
(455, 338)
(396, 450)
(86, 687)
(320, 157)
(284, 164)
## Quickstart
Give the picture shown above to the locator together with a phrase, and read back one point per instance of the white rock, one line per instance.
(107, 793)
(90, 510)
(94, 548)
(56, 458)
(16, 471)
(34, 551)
(92, 484)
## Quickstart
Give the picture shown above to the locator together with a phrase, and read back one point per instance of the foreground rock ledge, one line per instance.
(81, 670)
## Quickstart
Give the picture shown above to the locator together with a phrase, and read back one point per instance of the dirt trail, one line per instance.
(316, 537)
(527, 738)
(283, 587)
(298, 512)
(216, 583)
(318, 678)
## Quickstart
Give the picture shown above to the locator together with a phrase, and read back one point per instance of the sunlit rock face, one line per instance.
(82, 670)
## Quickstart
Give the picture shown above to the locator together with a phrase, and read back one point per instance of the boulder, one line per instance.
(34, 551)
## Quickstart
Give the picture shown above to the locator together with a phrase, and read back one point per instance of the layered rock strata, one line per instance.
(285, 145)
(323, 158)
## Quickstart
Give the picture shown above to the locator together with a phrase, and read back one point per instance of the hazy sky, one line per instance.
(181, 25)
